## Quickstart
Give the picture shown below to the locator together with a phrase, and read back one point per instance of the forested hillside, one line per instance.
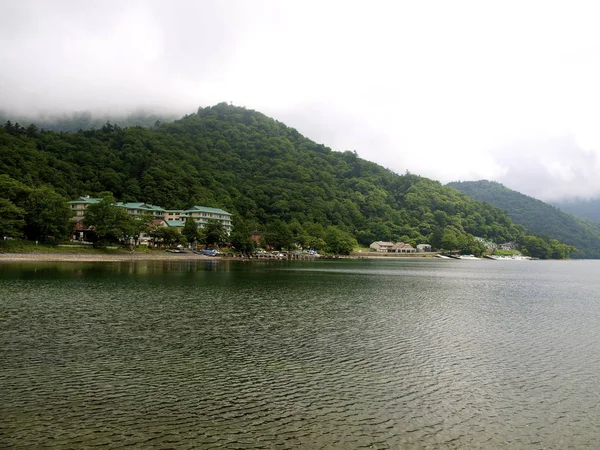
(255, 167)
(537, 216)
(586, 208)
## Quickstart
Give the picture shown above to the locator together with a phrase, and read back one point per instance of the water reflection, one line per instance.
(122, 267)
(333, 354)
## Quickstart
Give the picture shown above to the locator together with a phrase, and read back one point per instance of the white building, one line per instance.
(381, 246)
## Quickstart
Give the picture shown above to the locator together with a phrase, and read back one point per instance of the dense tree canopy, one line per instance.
(109, 222)
(190, 231)
(586, 208)
(338, 241)
(540, 218)
(37, 213)
(262, 171)
(213, 234)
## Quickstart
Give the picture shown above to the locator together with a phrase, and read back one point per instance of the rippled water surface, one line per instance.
(329, 354)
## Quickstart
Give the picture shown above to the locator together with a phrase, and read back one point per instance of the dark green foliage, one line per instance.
(190, 231)
(339, 242)
(141, 224)
(543, 248)
(11, 219)
(450, 238)
(540, 218)
(213, 234)
(38, 213)
(47, 216)
(110, 222)
(13, 195)
(241, 236)
(279, 236)
(588, 209)
(167, 237)
(255, 167)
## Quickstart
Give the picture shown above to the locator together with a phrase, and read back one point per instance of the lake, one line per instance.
(326, 354)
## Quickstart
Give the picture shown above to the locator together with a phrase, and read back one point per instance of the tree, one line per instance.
(141, 224)
(278, 235)
(450, 239)
(214, 233)
(110, 222)
(12, 215)
(190, 231)
(32, 130)
(536, 247)
(167, 236)
(298, 233)
(11, 219)
(338, 241)
(13, 190)
(315, 233)
(47, 216)
(472, 246)
(241, 236)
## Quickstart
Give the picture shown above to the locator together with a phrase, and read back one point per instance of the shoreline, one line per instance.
(99, 257)
(129, 257)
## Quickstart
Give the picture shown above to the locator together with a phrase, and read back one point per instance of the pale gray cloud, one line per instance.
(433, 87)
(550, 169)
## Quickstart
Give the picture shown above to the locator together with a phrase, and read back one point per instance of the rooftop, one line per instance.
(208, 210)
(139, 205)
(84, 199)
(175, 223)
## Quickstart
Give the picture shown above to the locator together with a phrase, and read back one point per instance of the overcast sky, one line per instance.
(452, 90)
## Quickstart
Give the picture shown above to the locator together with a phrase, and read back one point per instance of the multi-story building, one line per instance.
(137, 209)
(78, 206)
(202, 215)
(171, 217)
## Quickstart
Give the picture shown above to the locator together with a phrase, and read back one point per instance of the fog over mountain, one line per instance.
(589, 209)
(453, 91)
(549, 169)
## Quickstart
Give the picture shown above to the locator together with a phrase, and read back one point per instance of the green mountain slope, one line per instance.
(588, 208)
(255, 167)
(537, 216)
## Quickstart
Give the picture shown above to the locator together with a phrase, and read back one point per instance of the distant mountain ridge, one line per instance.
(537, 216)
(586, 208)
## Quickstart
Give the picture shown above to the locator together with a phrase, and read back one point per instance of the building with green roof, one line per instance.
(203, 214)
(137, 208)
(78, 205)
(172, 217)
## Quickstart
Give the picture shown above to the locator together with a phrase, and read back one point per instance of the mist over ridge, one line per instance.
(403, 84)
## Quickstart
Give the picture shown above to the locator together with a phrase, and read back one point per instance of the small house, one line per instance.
(402, 247)
(381, 246)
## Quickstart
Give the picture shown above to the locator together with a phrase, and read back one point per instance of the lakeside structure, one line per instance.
(173, 218)
(390, 247)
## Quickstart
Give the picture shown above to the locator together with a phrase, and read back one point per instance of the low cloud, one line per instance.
(429, 88)
(550, 169)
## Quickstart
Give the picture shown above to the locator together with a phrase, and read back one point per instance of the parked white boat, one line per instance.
(510, 258)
